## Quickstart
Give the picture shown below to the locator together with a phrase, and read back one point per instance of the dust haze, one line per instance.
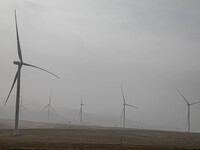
(95, 46)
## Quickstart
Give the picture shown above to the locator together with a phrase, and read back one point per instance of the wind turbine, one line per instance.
(188, 104)
(18, 77)
(81, 111)
(124, 107)
(22, 107)
(49, 107)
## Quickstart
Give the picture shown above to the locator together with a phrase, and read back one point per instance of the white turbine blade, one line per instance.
(195, 103)
(81, 100)
(18, 43)
(131, 106)
(52, 108)
(25, 108)
(45, 107)
(15, 79)
(41, 69)
(182, 96)
(122, 113)
(123, 94)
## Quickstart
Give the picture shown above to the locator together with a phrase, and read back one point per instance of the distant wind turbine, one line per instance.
(49, 107)
(188, 104)
(17, 78)
(81, 111)
(124, 107)
(22, 107)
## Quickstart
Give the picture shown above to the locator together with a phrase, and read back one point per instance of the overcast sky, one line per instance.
(150, 47)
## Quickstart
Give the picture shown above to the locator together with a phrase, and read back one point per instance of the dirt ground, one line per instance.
(97, 138)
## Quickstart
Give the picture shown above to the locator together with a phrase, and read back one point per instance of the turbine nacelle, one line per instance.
(17, 63)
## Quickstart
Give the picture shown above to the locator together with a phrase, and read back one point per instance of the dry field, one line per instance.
(97, 138)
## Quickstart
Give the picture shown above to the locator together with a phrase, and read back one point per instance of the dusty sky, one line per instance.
(150, 47)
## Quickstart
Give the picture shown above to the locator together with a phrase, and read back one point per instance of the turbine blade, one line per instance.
(81, 100)
(18, 43)
(41, 69)
(182, 96)
(131, 106)
(122, 113)
(52, 108)
(123, 94)
(16, 76)
(25, 108)
(45, 107)
(195, 103)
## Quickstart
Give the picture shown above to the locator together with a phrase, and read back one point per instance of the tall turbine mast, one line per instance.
(18, 77)
(188, 104)
(123, 115)
(81, 111)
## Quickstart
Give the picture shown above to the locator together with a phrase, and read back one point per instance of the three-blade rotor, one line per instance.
(123, 96)
(49, 104)
(21, 63)
(125, 104)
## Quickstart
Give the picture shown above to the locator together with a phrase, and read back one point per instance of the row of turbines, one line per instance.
(19, 105)
(49, 108)
(17, 79)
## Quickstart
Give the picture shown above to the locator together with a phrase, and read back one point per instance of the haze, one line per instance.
(95, 46)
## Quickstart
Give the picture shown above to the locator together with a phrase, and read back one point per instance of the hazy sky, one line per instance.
(150, 47)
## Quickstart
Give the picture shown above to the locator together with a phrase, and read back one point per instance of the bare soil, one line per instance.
(97, 138)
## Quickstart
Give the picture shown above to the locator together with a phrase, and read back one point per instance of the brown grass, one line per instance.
(98, 138)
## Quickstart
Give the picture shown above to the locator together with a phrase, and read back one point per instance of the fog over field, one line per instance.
(95, 46)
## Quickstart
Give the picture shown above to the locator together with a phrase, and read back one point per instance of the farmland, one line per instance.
(93, 137)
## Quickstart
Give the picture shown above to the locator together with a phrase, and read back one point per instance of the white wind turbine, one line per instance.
(49, 107)
(188, 104)
(124, 108)
(17, 78)
(81, 111)
(22, 107)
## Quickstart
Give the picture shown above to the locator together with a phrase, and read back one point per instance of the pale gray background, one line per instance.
(151, 47)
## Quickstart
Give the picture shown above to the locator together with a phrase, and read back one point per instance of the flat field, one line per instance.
(97, 138)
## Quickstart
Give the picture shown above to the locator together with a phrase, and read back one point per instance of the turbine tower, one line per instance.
(124, 108)
(18, 77)
(188, 104)
(49, 107)
(81, 111)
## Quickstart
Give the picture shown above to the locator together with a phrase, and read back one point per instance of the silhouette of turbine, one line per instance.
(49, 107)
(17, 78)
(81, 111)
(22, 107)
(188, 104)
(124, 108)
